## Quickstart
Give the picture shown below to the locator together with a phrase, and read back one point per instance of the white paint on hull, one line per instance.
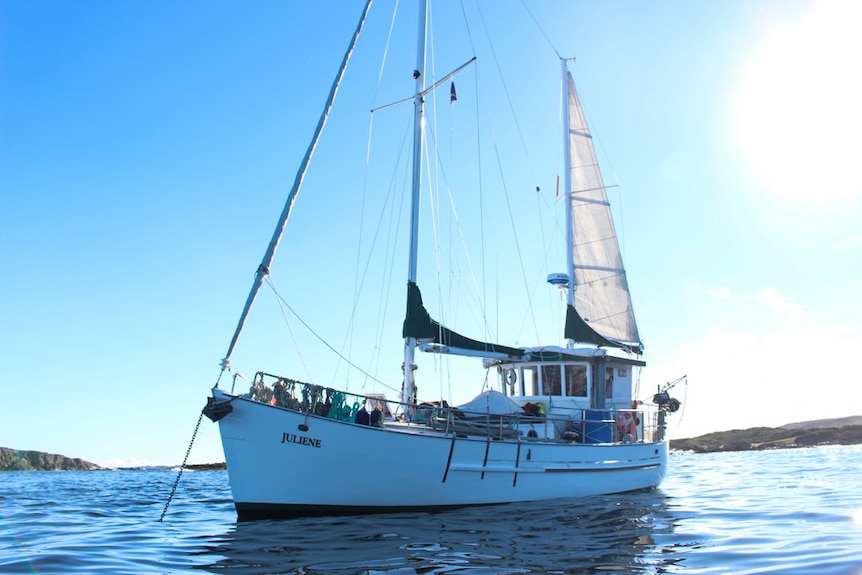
(330, 466)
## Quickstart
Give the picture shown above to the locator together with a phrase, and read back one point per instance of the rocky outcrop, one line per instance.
(826, 423)
(207, 466)
(756, 438)
(17, 460)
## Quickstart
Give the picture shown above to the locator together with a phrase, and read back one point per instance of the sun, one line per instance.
(798, 106)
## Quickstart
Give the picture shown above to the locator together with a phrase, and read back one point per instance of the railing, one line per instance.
(318, 400)
(560, 425)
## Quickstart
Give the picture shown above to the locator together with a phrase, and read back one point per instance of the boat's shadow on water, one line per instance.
(622, 533)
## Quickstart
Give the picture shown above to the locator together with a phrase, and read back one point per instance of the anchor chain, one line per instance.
(182, 467)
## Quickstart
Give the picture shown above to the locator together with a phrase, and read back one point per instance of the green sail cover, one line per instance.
(418, 324)
(578, 330)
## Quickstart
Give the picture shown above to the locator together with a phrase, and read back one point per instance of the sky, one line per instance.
(146, 150)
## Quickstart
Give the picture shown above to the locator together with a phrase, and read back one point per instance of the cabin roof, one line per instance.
(553, 354)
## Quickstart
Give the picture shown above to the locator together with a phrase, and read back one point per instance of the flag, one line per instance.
(452, 95)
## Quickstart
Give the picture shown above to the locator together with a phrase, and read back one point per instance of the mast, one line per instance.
(409, 387)
(567, 187)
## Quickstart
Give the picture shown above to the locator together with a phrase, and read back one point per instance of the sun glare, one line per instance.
(798, 106)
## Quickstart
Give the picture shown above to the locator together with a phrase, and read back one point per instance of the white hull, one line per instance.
(285, 463)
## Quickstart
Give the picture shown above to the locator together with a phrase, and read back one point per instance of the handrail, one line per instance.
(561, 424)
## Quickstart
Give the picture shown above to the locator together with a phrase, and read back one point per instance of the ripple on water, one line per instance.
(795, 511)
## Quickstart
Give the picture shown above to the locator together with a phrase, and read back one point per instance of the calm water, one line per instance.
(793, 511)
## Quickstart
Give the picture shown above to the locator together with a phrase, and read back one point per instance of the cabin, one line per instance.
(586, 386)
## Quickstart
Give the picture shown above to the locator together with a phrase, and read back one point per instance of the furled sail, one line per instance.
(601, 298)
(418, 324)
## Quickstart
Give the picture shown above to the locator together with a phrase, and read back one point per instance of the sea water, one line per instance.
(786, 511)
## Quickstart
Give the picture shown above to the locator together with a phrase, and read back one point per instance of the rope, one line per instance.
(182, 467)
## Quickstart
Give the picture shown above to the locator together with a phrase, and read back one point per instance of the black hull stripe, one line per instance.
(449, 459)
(257, 511)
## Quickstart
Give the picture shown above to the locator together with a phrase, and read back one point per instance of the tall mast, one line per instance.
(409, 388)
(567, 188)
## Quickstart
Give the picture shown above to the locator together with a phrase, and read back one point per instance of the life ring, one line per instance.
(627, 424)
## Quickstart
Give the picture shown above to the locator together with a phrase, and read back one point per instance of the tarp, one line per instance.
(492, 402)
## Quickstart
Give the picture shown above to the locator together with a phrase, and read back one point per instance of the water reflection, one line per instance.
(608, 533)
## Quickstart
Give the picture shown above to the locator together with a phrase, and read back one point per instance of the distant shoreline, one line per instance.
(844, 431)
(29, 460)
(207, 466)
(22, 460)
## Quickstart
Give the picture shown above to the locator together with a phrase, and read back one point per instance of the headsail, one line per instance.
(601, 293)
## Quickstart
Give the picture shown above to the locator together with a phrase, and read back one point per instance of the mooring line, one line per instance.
(182, 467)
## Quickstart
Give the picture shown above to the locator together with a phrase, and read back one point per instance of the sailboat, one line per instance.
(552, 421)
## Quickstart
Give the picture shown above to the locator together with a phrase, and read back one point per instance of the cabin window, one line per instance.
(551, 384)
(609, 382)
(531, 380)
(576, 380)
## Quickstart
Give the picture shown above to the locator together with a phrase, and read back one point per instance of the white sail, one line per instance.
(601, 291)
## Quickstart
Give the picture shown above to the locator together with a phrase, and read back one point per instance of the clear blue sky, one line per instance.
(146, 149)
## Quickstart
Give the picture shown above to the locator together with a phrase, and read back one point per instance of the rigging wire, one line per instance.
(266, 262)
(358, 281)
(271, 284)
(541, 29)
(435, 213)
(482, 248)
(323, 341)
(529, 291)
(508, 97)
(361, 272)
(388, 250)
(507, 197)
(463, 240)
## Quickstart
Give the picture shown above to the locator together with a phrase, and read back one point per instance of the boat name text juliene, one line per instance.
(300, 439)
